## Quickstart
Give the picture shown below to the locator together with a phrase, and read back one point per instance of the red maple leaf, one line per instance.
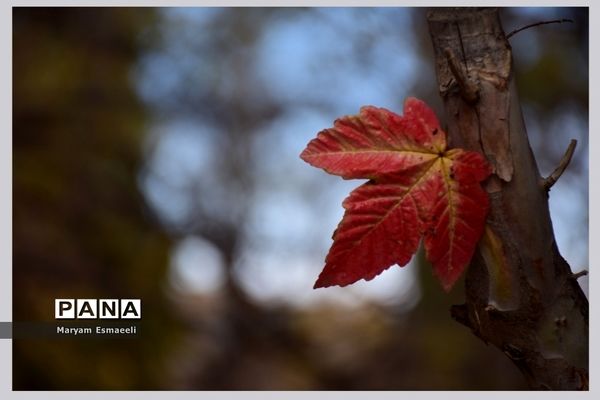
(417, 188)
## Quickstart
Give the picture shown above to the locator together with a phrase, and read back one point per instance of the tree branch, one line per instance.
(518, 285)
(554, 21)
(562, 166)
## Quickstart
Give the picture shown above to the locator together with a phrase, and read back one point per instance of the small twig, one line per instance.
(562, 165)
(468, 89)
(554, 21)
(579, 274)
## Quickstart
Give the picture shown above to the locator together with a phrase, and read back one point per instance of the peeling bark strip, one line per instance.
(520, 295)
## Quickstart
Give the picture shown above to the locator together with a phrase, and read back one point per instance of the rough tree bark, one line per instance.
(521, 295)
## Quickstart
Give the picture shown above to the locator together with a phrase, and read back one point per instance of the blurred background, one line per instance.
(155, 156)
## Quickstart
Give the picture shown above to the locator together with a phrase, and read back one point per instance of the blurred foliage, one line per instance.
(82, 228)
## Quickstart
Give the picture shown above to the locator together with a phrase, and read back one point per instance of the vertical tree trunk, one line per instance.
(521, 295)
